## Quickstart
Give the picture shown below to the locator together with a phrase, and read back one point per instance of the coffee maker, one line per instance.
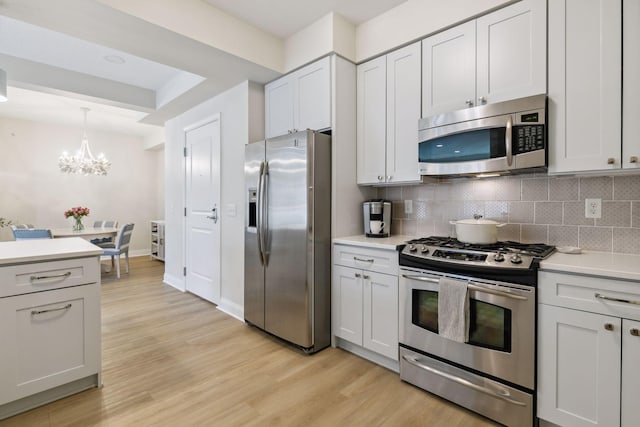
(377, 218)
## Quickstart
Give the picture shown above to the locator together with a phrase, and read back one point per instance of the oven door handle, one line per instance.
(501, 394)
(471, 286)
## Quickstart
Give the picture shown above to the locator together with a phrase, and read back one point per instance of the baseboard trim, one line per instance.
(174, 281)
(231, 308)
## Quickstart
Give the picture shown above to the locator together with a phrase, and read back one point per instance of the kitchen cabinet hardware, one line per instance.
(358, 275)
(36, 312)
(608, 326)
(633, 159)
(366, 277)
(380, 177)
(635, 332)
(53, 276)
(482, 100)
(470, 286)
(389, 177)
(625, 301)
(611, 161)
(469, 102)
(363, 260)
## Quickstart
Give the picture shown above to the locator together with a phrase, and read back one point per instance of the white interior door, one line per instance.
(202, 252)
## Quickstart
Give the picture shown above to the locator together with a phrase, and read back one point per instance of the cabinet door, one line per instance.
(312, 96)
(278, 98)
(630, 372)
(347, 303)
(371, 107)
(49, 339)
(631, 88)
(403, 113)
(584, 85)
(512, 52)
(578, 367)
(449, 70)
(380, 314)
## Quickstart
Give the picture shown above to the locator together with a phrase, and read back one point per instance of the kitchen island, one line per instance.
(49, 321)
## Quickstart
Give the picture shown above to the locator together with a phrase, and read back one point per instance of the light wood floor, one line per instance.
(172, 359)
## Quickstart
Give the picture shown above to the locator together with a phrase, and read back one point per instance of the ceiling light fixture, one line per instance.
(3, 86)
(84, 162)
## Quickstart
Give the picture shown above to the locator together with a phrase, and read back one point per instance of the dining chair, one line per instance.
(31, 233)
(20, 226)
(120, 247)
(104, 240)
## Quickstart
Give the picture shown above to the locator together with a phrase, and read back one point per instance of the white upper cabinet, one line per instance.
(631, 87)
(585, 87)
(494, 58)
(300, 100)
(449, 70)
(511, 45)
(388, 110)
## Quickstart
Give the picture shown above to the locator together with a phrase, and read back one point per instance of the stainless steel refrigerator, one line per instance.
(287, 273)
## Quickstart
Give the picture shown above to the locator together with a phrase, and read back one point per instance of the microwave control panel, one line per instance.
(527, 138)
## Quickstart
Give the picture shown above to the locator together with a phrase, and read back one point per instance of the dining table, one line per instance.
(88, 233)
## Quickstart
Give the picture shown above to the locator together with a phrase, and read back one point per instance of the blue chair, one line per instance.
(120, 247)
(31, 233)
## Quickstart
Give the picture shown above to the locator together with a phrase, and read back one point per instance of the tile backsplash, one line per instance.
(537, 209)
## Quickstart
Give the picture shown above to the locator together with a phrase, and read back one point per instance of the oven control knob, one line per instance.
(424, 249)
(499, 257)
(516, 259)
(412, 248)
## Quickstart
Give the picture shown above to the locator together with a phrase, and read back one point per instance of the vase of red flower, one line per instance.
(77, 213)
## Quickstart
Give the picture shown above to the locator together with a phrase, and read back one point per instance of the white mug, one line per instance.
(376, 227)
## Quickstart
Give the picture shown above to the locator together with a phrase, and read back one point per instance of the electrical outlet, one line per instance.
(593, 208)
(408, 206)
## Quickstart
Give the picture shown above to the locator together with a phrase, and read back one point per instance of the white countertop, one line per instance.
(390, 243)
(37, 250)
(606, 264)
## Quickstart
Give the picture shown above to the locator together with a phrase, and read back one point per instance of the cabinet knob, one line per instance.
(365, 276)
(380, 177)
(635, 332)
(611, 161)
(358, 275)
(633, 159)
(608, 326)
(469, 102)
(389, 177)
(482, 100)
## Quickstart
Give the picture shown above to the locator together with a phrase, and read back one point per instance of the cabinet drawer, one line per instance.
(380, 260)
(579, 292)
(43, 276)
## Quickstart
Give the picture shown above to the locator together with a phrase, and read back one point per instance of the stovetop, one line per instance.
(537, 250)
(515, 261)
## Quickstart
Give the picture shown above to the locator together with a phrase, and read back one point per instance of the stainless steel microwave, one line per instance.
(509, 136)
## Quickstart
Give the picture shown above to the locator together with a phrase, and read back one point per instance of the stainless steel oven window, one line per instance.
(490, 325)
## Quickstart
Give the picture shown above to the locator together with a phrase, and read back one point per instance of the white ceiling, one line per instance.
(52, 75)
(286, 17)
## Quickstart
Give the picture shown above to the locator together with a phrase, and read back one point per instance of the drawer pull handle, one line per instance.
(635, 332)
(55, 276)
(363, 260)
(35, 312)
(626, 301)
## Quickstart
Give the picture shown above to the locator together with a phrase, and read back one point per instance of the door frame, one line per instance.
(199, 123)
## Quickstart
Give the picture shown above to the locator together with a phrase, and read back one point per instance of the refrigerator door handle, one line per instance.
(265, 214)
(259, 211)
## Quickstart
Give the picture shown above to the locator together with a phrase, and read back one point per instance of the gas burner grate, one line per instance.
(538, 250)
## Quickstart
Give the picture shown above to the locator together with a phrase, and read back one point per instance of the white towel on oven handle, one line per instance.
(453, 309)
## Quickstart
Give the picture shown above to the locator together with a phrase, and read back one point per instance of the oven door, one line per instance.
(501, 325)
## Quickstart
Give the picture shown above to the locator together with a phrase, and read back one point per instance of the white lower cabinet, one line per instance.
(587, 351)
(49, 332)
(365, 306)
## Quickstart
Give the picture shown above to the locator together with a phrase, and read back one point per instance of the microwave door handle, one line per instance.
(470, 286)
(508, 136)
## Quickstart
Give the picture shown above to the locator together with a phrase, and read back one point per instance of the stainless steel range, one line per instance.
(493, 371)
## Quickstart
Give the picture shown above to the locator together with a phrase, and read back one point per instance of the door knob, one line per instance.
(214, 215)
